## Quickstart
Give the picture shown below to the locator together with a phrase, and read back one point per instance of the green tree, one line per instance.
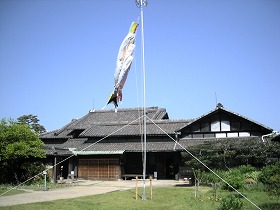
(270, 177)
(225, 154)
(18, 145)
(33, 122)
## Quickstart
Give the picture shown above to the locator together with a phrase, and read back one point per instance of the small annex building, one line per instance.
(107, 145)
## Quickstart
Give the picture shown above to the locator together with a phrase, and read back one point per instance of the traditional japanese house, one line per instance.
(107, 145)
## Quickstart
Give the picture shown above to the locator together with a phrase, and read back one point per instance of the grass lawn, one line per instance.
(12, 192)
(22, 189)
(163, 198)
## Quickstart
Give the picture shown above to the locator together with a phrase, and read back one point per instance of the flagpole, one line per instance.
(141, 3)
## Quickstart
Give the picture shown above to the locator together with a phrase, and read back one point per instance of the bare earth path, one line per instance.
(83, 189)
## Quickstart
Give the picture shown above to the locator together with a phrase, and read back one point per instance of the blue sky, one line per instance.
(57, 57)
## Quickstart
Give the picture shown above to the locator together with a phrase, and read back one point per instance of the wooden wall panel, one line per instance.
(99, 169)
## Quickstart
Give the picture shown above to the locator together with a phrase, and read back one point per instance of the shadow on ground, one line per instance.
(182, 185)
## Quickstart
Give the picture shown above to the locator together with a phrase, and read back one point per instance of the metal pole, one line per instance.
(45, 185)
(54, 170)
(140, 4)
(144, 104)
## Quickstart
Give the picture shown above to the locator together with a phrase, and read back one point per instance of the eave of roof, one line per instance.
(168, 145)
(114, 152)
(188, 142)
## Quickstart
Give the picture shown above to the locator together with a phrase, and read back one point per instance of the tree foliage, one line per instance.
(231, 202)
(227, 154)
(238, 162)
(270, 177)
(244, 176)
(33, 122)
(18, 145)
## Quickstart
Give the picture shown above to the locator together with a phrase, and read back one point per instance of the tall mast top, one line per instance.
(140, 3)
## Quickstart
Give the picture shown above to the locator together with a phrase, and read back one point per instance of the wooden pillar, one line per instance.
(151, 188)
(136, 191)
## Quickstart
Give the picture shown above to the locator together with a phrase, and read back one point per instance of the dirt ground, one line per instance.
(83, 188)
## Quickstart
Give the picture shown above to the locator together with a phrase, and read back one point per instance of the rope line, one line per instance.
(176, 142)
(140, 114)
(204, 164)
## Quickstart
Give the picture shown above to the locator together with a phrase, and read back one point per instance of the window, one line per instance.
(244, 134)
(232, 134)
(209, 135)
(215, 126)
(221, 135)
(225, 126)
(215, 123)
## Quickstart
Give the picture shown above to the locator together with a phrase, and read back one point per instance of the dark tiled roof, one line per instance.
(56, 134)
(157, 127)
(110, 116)
(74, 143)
(120, 145)
(53, 150)
(105, 117)
(103, 122)
(129, 146)
(63, 149)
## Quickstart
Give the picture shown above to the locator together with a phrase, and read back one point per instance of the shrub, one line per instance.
(270, 177)
(251, 178)
(235, 181)
(231, 202)
(243, 169)
(210, 178)
(238, 177)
